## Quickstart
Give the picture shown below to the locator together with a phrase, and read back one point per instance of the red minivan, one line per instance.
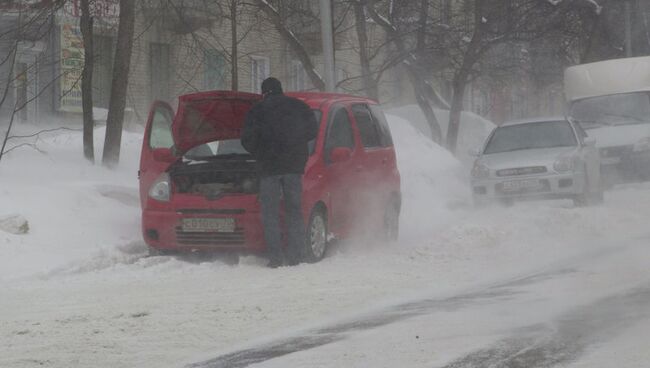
(199, 187)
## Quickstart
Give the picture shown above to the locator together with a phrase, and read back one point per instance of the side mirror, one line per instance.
(590, 142)
(164, 155)
(340, 154)
(474, 152)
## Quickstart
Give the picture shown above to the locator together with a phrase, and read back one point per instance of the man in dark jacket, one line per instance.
(277, 132)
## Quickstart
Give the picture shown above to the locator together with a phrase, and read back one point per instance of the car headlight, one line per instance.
(480, 170)
(642, 145)
(160, 189)
(564, 164)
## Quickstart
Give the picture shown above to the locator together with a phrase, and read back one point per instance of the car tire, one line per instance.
(598, 197)
(506, 202)
(315, 245)
(390, 230)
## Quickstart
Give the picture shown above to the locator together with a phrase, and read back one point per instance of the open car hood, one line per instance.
(210, 116)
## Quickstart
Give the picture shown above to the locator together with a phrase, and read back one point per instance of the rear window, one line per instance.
(385, 137)
(368, 128)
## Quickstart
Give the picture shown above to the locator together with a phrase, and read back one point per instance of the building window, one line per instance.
(297, 75)
(215, 70)
(260, 70)
(159, 71)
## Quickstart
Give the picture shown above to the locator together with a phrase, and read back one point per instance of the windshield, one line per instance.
(231, 147)
(530, 136)
(221, 149)
(619, 109)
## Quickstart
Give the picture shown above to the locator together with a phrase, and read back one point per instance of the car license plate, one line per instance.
(610, 160)
(219, 225)
(512, 186)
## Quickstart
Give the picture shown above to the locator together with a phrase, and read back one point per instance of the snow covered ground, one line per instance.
(78, 291)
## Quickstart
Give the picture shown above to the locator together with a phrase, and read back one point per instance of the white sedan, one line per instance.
(549, 158)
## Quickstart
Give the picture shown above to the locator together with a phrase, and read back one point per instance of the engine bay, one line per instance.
(215, 178)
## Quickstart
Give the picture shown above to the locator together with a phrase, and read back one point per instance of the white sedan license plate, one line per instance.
(512, 186)
(610, 160)
(219, 225)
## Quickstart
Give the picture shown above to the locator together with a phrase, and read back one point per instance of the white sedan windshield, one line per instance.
(530, 136)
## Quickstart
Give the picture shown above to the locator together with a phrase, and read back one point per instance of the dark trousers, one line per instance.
(272, 189)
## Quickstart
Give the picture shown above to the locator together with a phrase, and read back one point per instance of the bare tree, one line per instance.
(31, 21)
(87, 81)
(485, 24)
(121, 66)
(425, 95)
(280, 23)
(370, 84)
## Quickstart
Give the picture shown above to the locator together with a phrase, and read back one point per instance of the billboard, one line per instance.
(72, 63)
(105, 12)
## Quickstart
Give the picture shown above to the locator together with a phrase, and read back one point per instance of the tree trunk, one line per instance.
(234, 62)
(369, 83)
(121, 65)
(458, 85)
(87, 81)
(421, 97)
(11, 58)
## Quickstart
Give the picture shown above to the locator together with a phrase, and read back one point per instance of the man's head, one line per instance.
(271, 86)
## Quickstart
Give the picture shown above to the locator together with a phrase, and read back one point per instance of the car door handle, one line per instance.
(384, 161)
(359, 168)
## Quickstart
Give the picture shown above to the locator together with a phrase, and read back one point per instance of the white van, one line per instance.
(611, 101)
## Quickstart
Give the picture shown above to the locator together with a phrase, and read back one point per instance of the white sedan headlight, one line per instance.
(642, 145)
(160, 189)
(480, 170)
(564, 164)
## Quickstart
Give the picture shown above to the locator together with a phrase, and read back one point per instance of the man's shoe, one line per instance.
(274, 263)
(293, 261)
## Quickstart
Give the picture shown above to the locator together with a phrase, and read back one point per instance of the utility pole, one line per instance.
(628, 29)
(328, 44)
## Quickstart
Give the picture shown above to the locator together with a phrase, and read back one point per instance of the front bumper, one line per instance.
(162, 229)
(548, 186)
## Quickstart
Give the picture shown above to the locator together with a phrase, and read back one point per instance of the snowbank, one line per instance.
(74, 209)
(474, 129)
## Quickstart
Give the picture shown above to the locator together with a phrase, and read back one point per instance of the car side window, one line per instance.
(312, 144)
(160, 135)
(368, 128)
(385, 137)
(340, 131)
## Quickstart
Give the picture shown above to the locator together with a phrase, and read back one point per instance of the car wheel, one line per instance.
(390, 230)
(316, 242)
(598, 197)
(581, 200)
